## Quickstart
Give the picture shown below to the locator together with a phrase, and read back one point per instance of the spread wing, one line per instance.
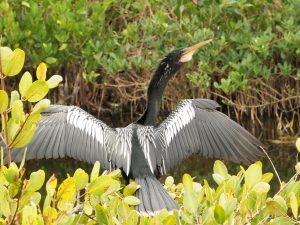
(196, 127)
(72, 132)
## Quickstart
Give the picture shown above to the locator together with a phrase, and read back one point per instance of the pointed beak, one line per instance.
(188, 52)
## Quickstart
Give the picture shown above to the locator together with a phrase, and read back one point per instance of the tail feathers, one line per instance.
(153, 196)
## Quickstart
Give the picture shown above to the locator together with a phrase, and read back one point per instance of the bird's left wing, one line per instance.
(68, 131)
(196, 127)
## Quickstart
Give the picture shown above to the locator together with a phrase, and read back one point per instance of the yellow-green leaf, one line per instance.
(27, 131)
(66, 194)
(81, 179)
(36, 181)
(25, 83)
(6, 54)
(54, 81)
(17, 112)
(14, 96)
(298, 144)
(41, 106)
(253, 175)
(3, 101)
(4, 201)
(12, 128)
(50, 215)
(15, 63)
(261, 187)
(95, 171)
(36, 91)
(294, 204)
(51, 185)
(267, 177)
(130, 189)
(281, 221)
(221, 169)
(41, 71)
(219, 214)
(12, 173)
(131, 200)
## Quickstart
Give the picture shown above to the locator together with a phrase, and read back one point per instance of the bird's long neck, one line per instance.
(155, 92)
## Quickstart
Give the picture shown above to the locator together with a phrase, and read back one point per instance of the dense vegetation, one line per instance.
(116, 45)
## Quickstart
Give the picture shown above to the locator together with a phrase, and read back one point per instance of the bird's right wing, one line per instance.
(72, 132)
(196, 127)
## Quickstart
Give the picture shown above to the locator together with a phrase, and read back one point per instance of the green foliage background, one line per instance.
(256, 47)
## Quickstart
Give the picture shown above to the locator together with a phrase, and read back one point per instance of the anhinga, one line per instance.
(143, 150)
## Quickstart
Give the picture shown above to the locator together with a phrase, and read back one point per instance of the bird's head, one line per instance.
(172, 61)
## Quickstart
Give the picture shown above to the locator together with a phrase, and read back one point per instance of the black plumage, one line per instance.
(143, 150)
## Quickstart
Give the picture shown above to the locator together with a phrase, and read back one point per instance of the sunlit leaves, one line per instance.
(95, 171)
(41, 106)
(81, 179)
(3, 101)
(190, 198)
(298, 144)
(219, 214)
(253, 175)
(12, 62)
(36, 181)
(294, 205)
(66, 194)
(27, 131)
(41, 71)
(131, 200)
(25, 83)
(54, 81)
(36, 91)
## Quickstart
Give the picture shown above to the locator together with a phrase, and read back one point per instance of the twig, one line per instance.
(272, 165)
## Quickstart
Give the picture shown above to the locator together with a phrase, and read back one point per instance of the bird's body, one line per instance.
(144, 150)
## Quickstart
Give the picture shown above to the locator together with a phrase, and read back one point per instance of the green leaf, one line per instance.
(41, 71)
(81, 179)
(131, 188)
(27, 131)
(100, 185)
(12, 174)
(132, 200)
(219, 214)
(190, 198)
(50, 60)
(281, 221)
(41, 106)
(169, 181)
(36, 91)
(3, 101)
(36, 181)
(6, 55)
(221, 169)
(14, 96)
(95, 171)
(267, 177)
(261, 187)
(25, 83)
(298, 144)
(4, 201)
(54, 81)
(66, 194)
(17, 112)
(15, 63)
(294, 204)
(253, 175)
(101, 214)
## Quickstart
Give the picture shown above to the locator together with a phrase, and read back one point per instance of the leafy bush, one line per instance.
(89, 199)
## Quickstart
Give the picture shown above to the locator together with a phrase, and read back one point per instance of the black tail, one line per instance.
(153, 196)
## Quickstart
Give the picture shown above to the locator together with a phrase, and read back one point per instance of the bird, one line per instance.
(144, 150)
